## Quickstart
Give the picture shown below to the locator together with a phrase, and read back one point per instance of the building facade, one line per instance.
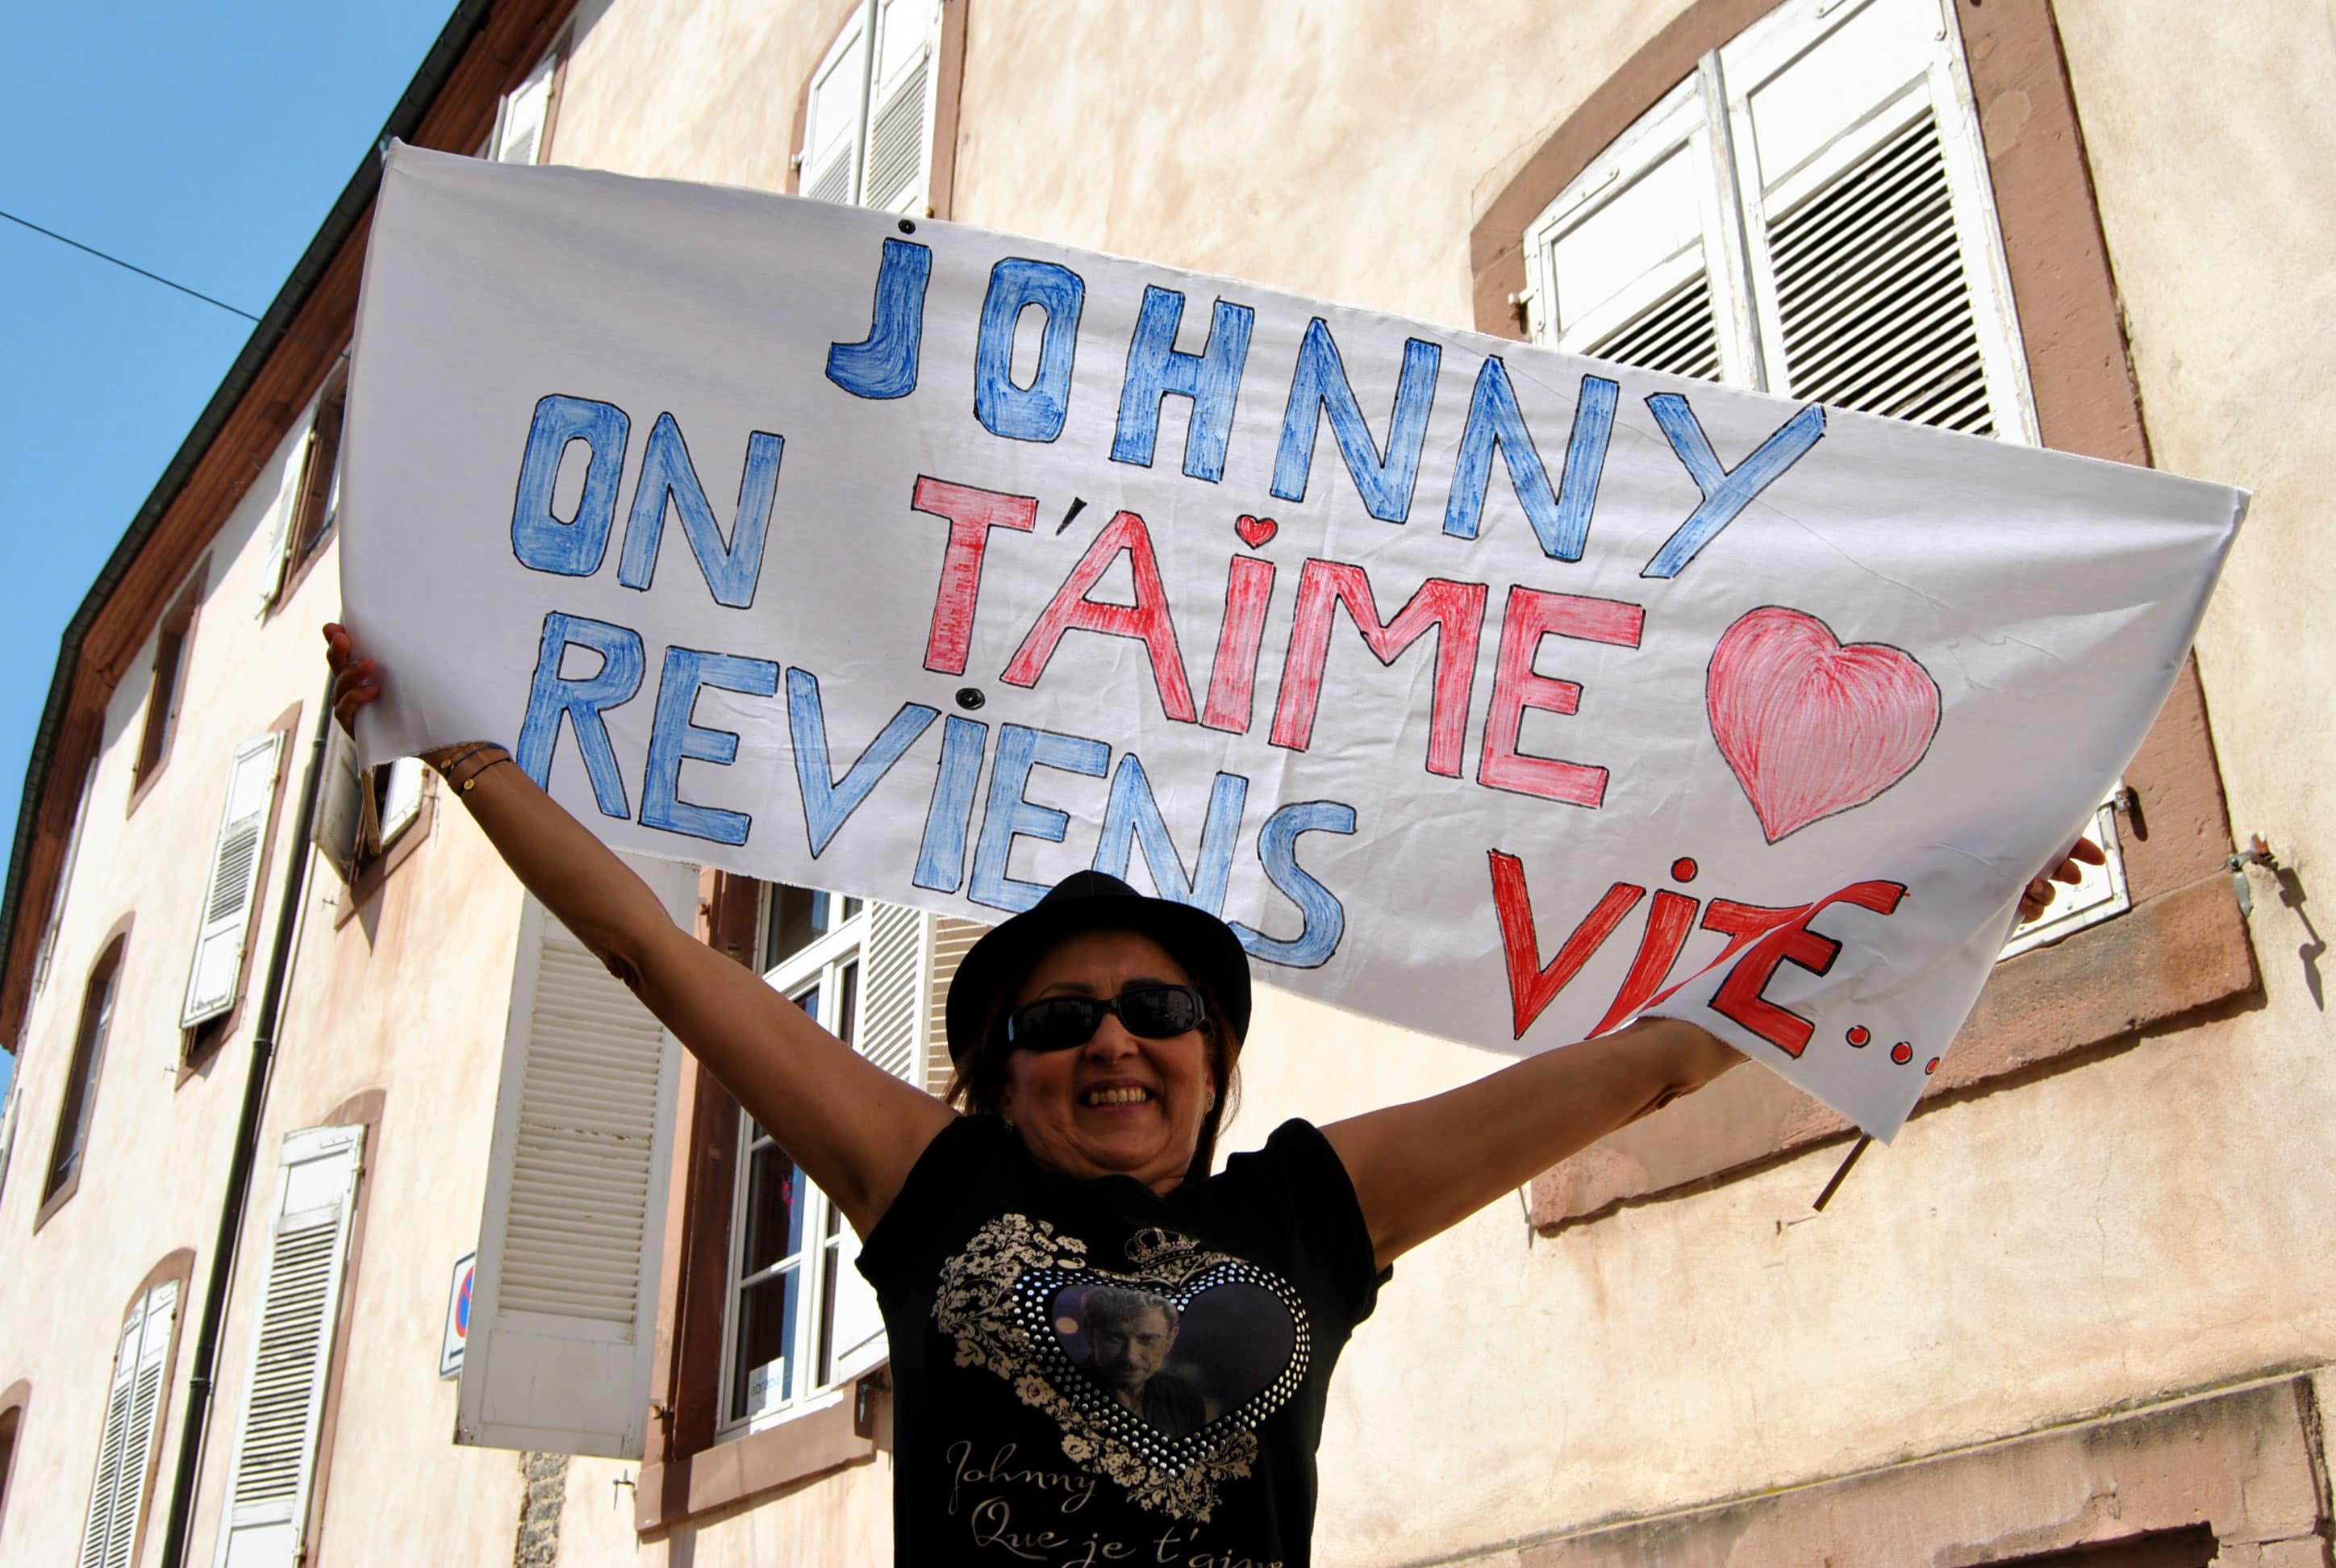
(2078, 1313)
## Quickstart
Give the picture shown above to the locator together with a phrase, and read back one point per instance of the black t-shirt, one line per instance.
(1087, 1372)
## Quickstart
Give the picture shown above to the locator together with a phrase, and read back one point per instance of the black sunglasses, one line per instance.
(1060, 1023)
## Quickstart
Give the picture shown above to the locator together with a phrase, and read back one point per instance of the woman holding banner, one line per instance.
(1102, 1351)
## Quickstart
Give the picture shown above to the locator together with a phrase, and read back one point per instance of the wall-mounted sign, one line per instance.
(457, 1317)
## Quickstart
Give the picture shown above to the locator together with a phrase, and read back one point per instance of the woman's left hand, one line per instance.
(2037, 897)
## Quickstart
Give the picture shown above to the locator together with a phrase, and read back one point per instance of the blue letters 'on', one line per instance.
(1321, 387)
(1325, 916)
(828, 801)
(668, 482)
(542, 539)
(552, 697)
(1032, 412)
(1009, 816)
(672, 738)
(883, 364)
(1157, 369)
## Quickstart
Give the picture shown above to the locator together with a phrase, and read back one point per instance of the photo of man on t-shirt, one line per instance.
(1129, 1334)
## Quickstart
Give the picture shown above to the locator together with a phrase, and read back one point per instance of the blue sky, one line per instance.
(204, 143)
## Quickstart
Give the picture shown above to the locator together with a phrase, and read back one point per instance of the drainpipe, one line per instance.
(202, 1383)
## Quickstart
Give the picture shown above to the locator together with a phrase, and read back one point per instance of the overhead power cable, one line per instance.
(128, 266)
(167, 283)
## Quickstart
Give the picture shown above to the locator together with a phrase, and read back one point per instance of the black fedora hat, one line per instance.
(1095, 901)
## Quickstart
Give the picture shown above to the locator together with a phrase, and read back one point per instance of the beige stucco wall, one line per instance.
(147, 1186)
(1336, 148)
(674, 89)
(2210, 155)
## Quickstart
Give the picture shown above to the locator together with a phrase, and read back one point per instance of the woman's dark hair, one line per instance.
(979, 1073)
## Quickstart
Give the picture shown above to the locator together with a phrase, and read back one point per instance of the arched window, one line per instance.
(63, 1171)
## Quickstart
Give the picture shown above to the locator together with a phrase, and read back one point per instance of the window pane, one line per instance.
(765, 1318)
(800, 917)
(775, 1217)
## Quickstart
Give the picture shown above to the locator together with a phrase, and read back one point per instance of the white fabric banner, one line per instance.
(1492, 691)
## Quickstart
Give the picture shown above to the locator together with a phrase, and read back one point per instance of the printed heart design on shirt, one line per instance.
(1169, 1365)
(998, 1301)
(1176, 1364)
(1811, 726)
(1256, 532)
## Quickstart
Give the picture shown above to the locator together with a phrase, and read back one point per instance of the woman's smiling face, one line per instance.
(1119, 1105)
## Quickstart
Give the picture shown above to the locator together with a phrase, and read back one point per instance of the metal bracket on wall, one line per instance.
(2256, 853)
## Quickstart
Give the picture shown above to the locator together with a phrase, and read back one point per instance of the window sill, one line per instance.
(142, 785)
(818, 1441)
(59, 1198)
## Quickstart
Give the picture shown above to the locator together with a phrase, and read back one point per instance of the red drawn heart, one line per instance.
(1812, 727)
(1255, 531)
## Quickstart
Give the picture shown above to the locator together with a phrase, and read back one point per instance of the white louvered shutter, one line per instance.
(520, 122)
(834, 119)
(899, 158)
(339, 805)
(1871, 225)
(277, 548)
(126, 1449)
(1638, 259)
(101, 1490)
(563, 1306)
(267, 1510)
(229, 900)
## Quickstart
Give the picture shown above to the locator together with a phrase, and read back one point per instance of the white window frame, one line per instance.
(821, 963)
(400, 805)
(1710, 110)
(540, 82)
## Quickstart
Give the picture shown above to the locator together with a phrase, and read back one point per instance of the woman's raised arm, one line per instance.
(1423, 1167)
(855, 1128)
